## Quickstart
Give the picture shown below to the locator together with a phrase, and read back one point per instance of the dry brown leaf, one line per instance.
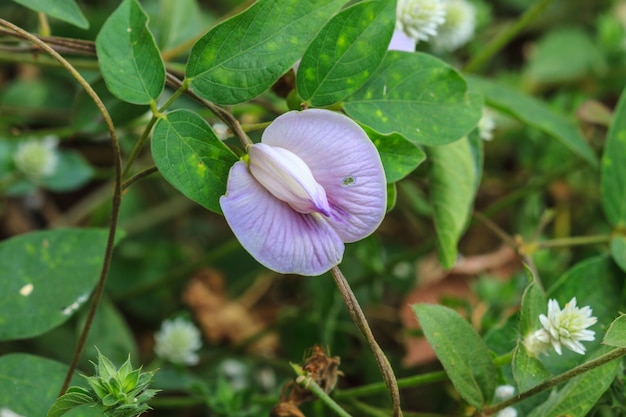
(436, 283)
(224, 320)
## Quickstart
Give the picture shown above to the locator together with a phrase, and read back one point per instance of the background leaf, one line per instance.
(462, 352)
(50, 274)
(528, 371)
(534, 303)
(534, 113)
(66, 10)
(453, 187)
(128, 56)
(30, 384)
(72, 172)
(244, 55)
(618, 251)
(346, 52)
(417, 96)
(191, 157)
(616, 335)
(613, 185)
(399, 156)
(577, 397)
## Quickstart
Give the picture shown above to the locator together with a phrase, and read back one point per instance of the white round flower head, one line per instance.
(6, 412)
(419, 19)
(486, 124)
(177, 341)
(221, 131)
(507, 412)
(567, 327)
(504, 392)
(458, 28)
(37, 159)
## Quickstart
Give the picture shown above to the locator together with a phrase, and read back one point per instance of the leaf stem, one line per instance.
(361, 322)
(573, 241)
(559, 379)
(117, 192)
(497, 43)
(138, 176)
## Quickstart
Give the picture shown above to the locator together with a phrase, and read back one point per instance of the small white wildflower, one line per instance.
(507, 412)
(236, 372)
(567, 327)
(221, 131)
(177, 341)
(504, 392)
(5, 412)
(37, 159)
(458, 27)
(486, 124)
(419, 19)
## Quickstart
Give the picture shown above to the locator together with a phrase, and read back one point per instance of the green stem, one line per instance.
(573, 241)
(559, 379)
(308, 383)
(497, 43)
(117, 192)
(409, 382)
(361, 322)
(138, 176)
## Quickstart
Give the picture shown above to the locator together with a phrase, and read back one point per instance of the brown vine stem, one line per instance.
(117, 192)
(359, 319)
(559, 379)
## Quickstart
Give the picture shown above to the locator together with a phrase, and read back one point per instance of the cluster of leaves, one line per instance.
(415, 107)
(119, 392)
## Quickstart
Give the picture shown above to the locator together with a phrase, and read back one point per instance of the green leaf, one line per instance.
(613, 185)
(110, 333)
(72, 399)
(51, 275)
(86, 117)
(418, 96)
(581, 393)
(65, 10)
(399, 156)
(244, 55)
(392, 196)
(528, 371)
(30, 384)
(453, 187)
(565, 55)
(72, 172)
(462, 352)
(178, 21)
(191, 157)
(616, 335)
(346, 52)
(534, 303)
(618, 251)
(536, 114)
(128, 56)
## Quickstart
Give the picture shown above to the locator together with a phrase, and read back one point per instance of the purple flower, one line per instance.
(314, 182)
(400, 41)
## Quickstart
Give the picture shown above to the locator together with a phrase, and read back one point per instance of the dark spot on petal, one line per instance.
(348, 181)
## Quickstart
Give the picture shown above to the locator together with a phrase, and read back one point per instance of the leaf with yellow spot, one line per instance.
(346, 52)
(192, 158)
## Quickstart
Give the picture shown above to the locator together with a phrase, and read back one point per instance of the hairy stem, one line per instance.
(117, 191)
(559, 379)
(359, 319)
(309, 384)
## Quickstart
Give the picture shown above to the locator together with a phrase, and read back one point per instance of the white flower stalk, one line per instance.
(458, 28)
(37, 159)
(178, 341)
(562, 328)
(419, 19)
(487, 124)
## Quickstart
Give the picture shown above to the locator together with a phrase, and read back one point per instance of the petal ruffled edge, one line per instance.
(277, 236)
(343, 160)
